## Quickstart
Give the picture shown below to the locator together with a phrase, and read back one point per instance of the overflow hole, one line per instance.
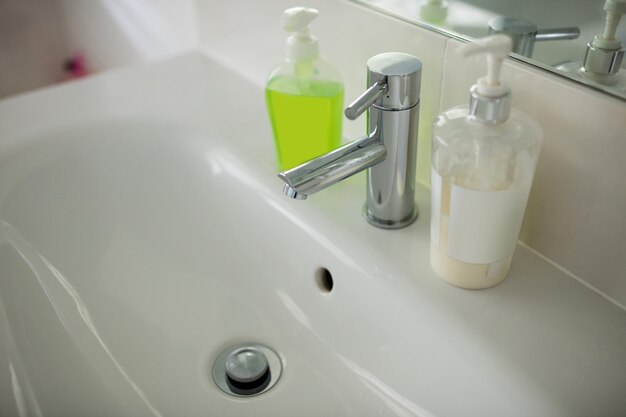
(324, 280)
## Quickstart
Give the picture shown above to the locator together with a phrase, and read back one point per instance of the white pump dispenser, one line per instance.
(301, 46)
(496, 48)
(483, 162)
(614, 11)
(490, 98)
(604, 55)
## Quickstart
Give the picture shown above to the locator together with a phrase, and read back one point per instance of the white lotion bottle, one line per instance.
(483, 162)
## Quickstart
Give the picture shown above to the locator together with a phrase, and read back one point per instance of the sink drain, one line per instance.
(246, 370)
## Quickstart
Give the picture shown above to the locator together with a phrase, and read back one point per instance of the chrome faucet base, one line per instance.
(389, 224)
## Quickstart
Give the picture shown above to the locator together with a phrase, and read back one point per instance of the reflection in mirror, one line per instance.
(525, 33)
(578, 39)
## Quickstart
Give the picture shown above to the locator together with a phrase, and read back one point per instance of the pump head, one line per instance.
(490, 98)
(496, 47)
(300, 45)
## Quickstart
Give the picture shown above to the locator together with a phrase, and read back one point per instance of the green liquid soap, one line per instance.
(306, 117)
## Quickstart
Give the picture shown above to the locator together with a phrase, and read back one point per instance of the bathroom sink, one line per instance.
(143, 231)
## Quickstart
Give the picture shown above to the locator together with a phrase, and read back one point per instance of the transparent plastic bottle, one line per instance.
(304, 96)
(483, 162)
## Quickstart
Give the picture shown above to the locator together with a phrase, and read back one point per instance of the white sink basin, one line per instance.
(143, 231)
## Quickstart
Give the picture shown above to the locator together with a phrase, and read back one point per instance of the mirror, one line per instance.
(552, 36)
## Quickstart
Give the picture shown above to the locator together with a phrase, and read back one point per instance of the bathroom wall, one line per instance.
(32, 44)
(113, 33)
(576, 215)
(37, 36)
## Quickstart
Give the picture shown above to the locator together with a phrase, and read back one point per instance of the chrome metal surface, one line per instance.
(322, 172)
(602, 61)
(558, 34)
(389, 150)
(402, 74)
(391, 183)
(246, 364)
(366, 99)
(290, 192)
(489, 110)
(524, 33)
(247, 370)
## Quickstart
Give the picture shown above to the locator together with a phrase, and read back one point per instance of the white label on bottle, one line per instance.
(435, 207)
(484, 225)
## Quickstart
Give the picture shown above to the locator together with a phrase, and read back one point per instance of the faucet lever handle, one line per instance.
(366, 99)
(557, 34)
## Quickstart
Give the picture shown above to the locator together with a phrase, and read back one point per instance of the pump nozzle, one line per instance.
(300, 45)
(490, 99)
(614, 11)
(496, 47)
(298, 19)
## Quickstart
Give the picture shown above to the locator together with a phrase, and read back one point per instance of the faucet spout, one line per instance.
(326, 170)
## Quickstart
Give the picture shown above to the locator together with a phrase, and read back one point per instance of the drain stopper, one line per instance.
(246, 370)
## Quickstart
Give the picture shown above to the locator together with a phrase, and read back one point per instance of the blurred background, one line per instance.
(44, 42)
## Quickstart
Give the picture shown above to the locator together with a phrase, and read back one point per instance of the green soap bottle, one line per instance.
(304, 96)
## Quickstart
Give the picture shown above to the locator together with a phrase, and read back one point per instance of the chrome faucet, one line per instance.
(389, 150)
